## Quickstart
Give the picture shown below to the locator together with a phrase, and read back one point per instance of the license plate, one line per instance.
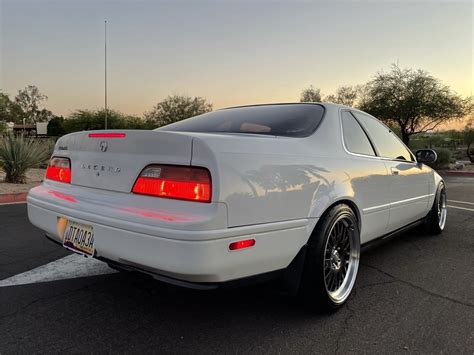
(79, 238)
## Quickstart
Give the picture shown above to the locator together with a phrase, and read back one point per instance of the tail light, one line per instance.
(177, 182)
(59, 169)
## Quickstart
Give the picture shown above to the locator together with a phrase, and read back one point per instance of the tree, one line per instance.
(345, 95)
(413, 100)
(85, 120)
(56, 127)
(176, 108)
(44, 115)
(5, 104)
(9, 110)
(29, 100)
(311, 94)
(3, 127)
(468, 137)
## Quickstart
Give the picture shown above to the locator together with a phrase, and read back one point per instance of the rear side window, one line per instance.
(355, 139)
(386, 142)
(288, 120)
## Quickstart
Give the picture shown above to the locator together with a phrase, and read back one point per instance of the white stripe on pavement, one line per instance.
(462, 208)
(69, 267)
(464, 202)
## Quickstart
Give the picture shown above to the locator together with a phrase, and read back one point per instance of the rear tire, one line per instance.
(435, 221)
(332, 260)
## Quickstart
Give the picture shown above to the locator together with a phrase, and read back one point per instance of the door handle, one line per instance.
(395, 171)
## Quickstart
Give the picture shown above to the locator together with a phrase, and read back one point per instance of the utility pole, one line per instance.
(105, 62)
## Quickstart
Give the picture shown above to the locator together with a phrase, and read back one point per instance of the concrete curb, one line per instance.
(18, 197)
(456, 173)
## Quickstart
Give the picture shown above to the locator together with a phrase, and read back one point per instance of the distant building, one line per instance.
(28, 129)
(38, 129)
(42, 129)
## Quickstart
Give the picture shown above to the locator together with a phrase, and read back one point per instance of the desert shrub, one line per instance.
(444, 158)
(18, 154)
(3, 127)
(470, 154)
(459, 154)
(85, 120)
(56, 127)
(48, 145)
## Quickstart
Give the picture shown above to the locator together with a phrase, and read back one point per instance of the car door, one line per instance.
(409, 182)
(368, 175)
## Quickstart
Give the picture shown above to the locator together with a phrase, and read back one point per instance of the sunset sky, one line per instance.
(231, 52)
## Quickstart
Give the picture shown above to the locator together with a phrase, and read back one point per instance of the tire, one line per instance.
(332, 260)
(435, 221)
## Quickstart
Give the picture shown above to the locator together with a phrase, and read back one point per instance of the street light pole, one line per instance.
(105, 62)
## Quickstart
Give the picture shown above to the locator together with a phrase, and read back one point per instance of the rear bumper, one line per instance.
(200, 256)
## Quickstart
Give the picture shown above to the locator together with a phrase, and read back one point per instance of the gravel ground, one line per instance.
(34, 177)
(468, 166)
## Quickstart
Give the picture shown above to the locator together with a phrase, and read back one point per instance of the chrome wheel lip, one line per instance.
(341, 294)
(442, 210)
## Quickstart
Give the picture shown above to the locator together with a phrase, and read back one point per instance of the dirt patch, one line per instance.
(34, 178)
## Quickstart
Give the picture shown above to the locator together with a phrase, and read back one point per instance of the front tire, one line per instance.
(435, 221)
(332, 260)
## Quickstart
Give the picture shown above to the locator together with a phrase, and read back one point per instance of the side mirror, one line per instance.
(426, 156)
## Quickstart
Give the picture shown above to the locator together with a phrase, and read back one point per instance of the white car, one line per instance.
(240, 194)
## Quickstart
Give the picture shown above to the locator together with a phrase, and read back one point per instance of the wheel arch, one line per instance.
(347, 201)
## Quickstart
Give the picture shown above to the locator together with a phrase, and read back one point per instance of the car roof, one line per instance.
(325, 104)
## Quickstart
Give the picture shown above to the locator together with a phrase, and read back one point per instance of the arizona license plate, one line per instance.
(79, 238)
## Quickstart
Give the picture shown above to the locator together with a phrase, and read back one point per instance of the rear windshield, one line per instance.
(288, 120)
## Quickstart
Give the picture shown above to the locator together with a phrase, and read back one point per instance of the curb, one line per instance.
(456, 173)
(13, 198)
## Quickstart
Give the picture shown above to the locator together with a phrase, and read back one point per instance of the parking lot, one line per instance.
(414, 294)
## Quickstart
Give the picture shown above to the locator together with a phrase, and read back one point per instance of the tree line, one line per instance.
(411, 101)
(26, 108)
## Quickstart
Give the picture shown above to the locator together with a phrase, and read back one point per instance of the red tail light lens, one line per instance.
(177, 182)
(59, 169)
(107, 135)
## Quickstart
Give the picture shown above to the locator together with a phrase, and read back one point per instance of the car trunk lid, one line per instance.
(112, 160)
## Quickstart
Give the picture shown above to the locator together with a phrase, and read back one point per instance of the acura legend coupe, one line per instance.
(240, 195)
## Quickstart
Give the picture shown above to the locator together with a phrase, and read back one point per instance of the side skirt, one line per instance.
(389, 236)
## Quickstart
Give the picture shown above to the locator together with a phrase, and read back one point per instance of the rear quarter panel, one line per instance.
(265, 179)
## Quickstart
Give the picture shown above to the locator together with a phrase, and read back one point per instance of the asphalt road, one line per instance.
(414, 294)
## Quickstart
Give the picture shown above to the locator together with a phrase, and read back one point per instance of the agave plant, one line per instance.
(18, 154)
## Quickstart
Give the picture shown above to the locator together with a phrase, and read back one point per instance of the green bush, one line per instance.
(470, 154)
(48, 145)
(56, 127)
(444, 158)
(459, 154)
(85, 120)
(19, 153)
(3, 127)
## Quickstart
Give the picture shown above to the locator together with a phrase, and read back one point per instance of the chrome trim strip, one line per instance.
(409, 200)
(381, 207)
